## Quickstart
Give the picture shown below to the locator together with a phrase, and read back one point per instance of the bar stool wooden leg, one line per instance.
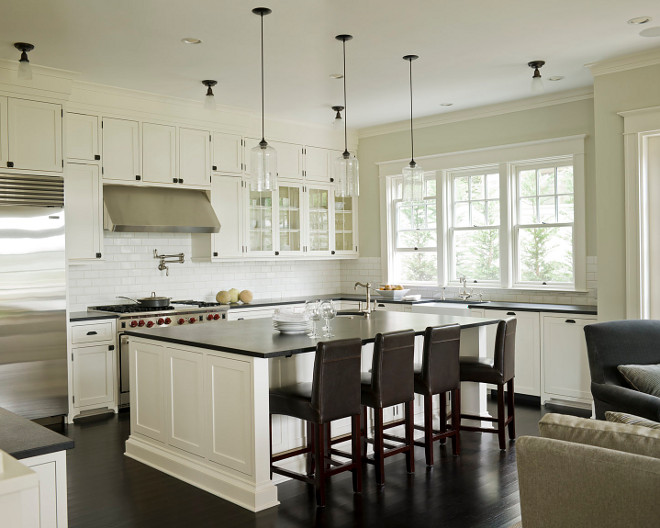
(364, 430)
(270, 435)
(511, 412)
(357, 452)
(456, 421)
(310, 446)
(443, 415)
(319, 452)
(410, 440)
(428, 429)
(379, 459)
(500, 417)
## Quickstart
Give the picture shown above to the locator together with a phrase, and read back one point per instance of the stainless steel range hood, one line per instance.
(157, 210)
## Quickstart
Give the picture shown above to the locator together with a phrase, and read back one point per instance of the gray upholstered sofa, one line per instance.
(583, 473)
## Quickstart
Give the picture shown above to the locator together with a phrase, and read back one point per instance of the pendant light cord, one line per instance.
(263, 137)
(346, 154)
(412, 142)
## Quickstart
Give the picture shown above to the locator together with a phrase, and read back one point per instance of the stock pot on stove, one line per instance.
(150, 302)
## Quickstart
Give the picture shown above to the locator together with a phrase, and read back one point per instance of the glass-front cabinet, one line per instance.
(289, 222)
(260, 222)
(319, 218)
(345, 222)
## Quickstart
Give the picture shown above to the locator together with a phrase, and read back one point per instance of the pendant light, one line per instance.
(537, 82)
(413, 175)
(346, 167)
(209, 99)
(24, 69)
(263, 157)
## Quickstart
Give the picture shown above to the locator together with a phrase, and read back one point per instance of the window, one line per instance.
(415, 256)
(474, 232)
(543, 229)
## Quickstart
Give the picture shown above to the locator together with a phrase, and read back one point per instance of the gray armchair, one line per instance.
(633, 342)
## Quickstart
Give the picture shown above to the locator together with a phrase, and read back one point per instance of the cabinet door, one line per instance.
(260, 218)
(185, 400)
(227, 153)
(84, 211)
(3, 131)
(565, 362)
(92, 376)
(147, 386)
(228, 203)
(345, 225)
(316, 165)
(82, 137)
(289, 159)
(34, 133)
(121, 149)
(159, 153)
(290, 208)
(318, 220)
(194, 157)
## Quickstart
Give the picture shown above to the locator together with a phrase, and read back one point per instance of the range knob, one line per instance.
(141, 323)
(192, 320)
(216, 316)
(209, 317)
(150, 324)
(181, 321)
(133, 324)
(168, 320)
(161, 321)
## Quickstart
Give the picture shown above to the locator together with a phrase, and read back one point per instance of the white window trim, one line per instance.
(506, 156)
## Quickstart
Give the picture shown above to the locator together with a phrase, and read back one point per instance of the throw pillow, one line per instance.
(631, 419)
(644, 378)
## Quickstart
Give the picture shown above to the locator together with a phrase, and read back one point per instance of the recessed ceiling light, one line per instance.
(446, 104)
(639, 20)
(556, 78)
(336, 75)
(191, 40)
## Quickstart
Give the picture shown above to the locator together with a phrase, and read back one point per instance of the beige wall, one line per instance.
(615, 92)
(529, 125)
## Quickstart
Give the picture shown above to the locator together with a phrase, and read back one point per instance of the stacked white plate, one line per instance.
(291, 322)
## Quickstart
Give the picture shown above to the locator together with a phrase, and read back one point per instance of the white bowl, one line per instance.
(392, 294)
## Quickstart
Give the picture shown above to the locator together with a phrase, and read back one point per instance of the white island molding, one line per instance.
(200, 413)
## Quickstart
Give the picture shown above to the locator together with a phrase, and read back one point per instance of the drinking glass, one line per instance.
(313, 312)
(328, 312)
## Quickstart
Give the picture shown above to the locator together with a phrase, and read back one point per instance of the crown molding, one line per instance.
(625, 62)
(519, 105)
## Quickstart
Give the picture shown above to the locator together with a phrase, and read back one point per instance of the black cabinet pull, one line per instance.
(332, 180)
(332, 252)
(180, 180)
(10, 164)
(111, 347)
(381, 306)
(215, 167)
(174, 180)
(277, 253)
(97, 157)
(215, 253)
(98, 255)
(137, 177)
(92, 332)
(570, 321)
(511, 313)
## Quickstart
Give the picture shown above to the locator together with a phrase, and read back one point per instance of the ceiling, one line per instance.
(472, 52)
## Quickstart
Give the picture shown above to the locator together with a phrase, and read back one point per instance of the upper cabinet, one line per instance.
(84, 211)
(228, 153)
(121, 149)
(159, 153)
(194, 157)
(319, 163)
(31, 140)
(82, 137)
(289, 159)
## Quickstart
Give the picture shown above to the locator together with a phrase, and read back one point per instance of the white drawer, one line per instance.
(89, 333)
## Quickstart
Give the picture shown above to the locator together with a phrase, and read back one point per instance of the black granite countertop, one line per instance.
(335, 297)
(532, 307)
(22, 438)
(257, 338)
(90, 315)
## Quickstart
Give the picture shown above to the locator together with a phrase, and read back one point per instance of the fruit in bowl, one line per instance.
(393, 292)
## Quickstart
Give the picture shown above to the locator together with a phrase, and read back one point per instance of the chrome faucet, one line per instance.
(465, 295)
(367, 287)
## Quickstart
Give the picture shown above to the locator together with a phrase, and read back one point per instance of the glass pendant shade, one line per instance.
(346, 175)
(263, 164)
(413, 183)
(209, 102)
(24, 70)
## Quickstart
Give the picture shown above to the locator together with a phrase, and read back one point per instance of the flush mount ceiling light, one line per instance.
(556, 78)
(24, 69)
(346, 168)
(413, 175)
(336, 76)
(209, 100)
(337, 121)
(263, 157)
(639, 20)
(537, 82)
(446, 104)
(191, 40)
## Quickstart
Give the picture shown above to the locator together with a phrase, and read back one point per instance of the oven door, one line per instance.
(123, 371)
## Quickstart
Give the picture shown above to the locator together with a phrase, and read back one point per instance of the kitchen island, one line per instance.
(199, 396)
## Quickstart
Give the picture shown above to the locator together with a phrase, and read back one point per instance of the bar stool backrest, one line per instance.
(440, 363)
(336, 383)
(505, 348)
(393, 367)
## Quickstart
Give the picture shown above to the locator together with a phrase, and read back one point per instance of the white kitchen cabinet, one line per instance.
(260, 218)
(317, 164)
(83, 201)
(93, 365)
(565, 365)
(228, 153)
(194, 157)
(159, 153)
(319, 219)
(390, 307)
(51, 470)
(345, 225)
(290, 218)
(147, 388)
(289, 159)
(121, 149)
(82, 137)
(34, 135)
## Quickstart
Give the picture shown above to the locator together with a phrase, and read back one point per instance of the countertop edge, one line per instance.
(24, 431)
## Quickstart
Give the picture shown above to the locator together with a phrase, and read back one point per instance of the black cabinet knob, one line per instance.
(111, 347)
(332, 252)
(97, 157)
(138, 177)
(98, 255)
(215, 253)
(277, 253)
(10, 164)
(174, 180)
(332, 180)
(215, 167)
(180, 180)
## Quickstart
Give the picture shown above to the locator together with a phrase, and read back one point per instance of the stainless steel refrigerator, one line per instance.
(33, 368)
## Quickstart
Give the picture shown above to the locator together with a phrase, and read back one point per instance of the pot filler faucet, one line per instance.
(367, 288)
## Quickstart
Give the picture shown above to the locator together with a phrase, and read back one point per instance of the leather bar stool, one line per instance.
(498, 371)
(390, 382)
(334, 393)
(439, 373)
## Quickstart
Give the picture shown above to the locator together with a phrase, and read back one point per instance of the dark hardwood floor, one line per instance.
(477, 488)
